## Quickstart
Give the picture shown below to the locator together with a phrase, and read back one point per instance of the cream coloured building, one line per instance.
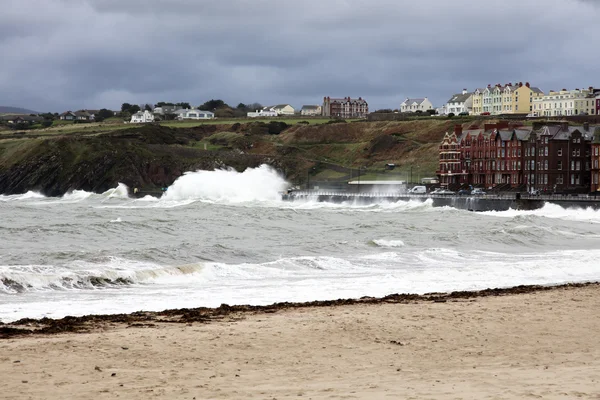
(564, 102)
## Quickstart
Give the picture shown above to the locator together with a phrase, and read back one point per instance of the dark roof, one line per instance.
(310, 107)
(460, 98)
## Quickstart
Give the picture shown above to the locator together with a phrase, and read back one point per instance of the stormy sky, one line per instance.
(70, 54)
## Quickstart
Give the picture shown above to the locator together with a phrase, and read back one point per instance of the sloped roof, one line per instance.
(310, 107)
(536, 90)
(411, 101)
(460, 98)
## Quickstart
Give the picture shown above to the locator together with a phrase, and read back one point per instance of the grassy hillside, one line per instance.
(95, 157)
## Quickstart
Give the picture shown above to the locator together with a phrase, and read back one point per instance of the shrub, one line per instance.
(450, 115)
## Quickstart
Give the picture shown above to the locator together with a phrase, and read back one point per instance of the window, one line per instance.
(559, 166)
(560, 152)
(578, 166)
(559, 180)
(572, 165)
(546, 151)
(546, 165)
(578, 152)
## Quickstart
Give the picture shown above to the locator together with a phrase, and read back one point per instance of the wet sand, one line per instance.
(519, 343)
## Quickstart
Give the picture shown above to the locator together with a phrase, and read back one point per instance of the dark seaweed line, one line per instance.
(86, 323)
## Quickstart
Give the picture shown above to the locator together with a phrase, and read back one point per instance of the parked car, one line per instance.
(442, 191)
(464, 192)
(478, 191)
(485, 113)
(418, 190)
(462, 114)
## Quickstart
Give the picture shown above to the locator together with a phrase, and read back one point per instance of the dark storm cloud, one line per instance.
(71, 54)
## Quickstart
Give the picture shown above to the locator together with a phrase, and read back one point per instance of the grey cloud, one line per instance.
(100, 53)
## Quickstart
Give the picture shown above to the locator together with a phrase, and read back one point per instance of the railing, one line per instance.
(498, 196)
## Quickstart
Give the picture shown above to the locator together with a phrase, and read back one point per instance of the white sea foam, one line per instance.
(155, 287)
(388, 243)
(550, 210)
(228, 186)
(25, 196)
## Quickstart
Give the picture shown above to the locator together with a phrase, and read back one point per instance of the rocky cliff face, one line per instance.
(148, 158)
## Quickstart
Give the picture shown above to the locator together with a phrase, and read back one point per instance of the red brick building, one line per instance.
(595, 161)
(551, 158)
(345, 107)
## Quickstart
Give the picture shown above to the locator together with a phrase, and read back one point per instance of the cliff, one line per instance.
(153, 156)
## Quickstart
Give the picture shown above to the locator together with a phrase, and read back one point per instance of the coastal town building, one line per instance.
(551, 158)
(311, 111)
(346, 107)
(164, 110)
(595, 162)
(193, 113)
(566, 103)
(281, 109)
(478, 101)
(142, 117)
(414, 105)
(261, 114)
(460, 103)
(81, 115)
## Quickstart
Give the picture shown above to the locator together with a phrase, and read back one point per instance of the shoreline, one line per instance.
(517, 343)
(87, 323)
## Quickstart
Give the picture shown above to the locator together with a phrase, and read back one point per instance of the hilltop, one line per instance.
(16, 110)
(153, 156)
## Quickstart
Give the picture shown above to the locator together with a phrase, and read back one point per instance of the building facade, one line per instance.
(552, 158)
(595, 162)
(414, 105)
(565, 103)
(346, 107)
(281, 109)
(311, 110)
(142, 117)
(193, 113)
(460, 103)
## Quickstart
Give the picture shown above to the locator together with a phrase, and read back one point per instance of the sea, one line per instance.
(224, 237)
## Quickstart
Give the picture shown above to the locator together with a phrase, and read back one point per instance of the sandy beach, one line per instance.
(540, 344)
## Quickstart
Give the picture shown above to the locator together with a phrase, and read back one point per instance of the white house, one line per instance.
(262, 113)
(142, 117)
(460, 103)
(193, 113)
(414, 105)
(311, 110)
(281, 109)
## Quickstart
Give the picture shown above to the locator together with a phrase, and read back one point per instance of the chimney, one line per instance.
(586, 126)
(591, 88)
(520, 84)
(489, 85)
(527, 84)
(458, 130)
(464, 91)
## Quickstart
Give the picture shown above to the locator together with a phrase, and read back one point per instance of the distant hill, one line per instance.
(16, 110)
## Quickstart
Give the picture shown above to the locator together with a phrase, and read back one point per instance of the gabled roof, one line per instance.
(460, 98)
(310, 107)
(536, 90)
(68, 113)
(279, 106)
(411, 101)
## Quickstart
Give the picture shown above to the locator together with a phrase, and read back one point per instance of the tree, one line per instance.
(213, 105)
(47, 123)
(255, 106)
(148, 107)
(104, 114)
(183, 105)
(126, 107)
(134, 108)
(242, 106)
(162, 103)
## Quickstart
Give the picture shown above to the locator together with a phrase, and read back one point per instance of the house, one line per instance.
(564, 102)
(478, 101)
(193, 113)
(460, 103)
(142, 117)
(524, 97)
(346, 107)
(164, 110)
(311, 111)
(281, 109)
(595, 162)
(262, 113)
(19, 119)
(552, 158)
(414, 105)
(68, 116)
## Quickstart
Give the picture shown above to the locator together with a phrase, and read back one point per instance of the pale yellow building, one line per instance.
(477, 102)
(523, 98)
